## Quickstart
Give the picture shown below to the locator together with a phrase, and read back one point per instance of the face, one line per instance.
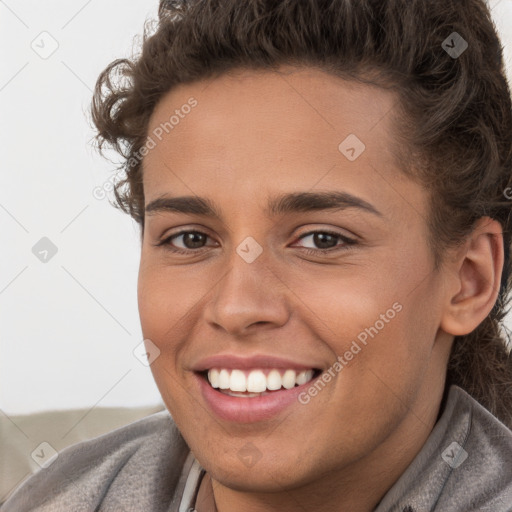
(309, 272)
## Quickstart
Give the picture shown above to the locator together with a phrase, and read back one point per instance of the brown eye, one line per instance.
(192, 241)
(327, 241)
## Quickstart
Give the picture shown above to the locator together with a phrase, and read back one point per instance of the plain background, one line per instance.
(69, 325)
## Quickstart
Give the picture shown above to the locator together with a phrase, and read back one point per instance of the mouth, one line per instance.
(255, 388)
(257, 382)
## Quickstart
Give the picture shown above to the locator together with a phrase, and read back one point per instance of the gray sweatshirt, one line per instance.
(146, 466)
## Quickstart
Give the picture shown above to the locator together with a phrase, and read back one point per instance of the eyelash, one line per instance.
(347, 242)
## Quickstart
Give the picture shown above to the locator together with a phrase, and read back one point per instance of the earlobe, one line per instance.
(478, 276)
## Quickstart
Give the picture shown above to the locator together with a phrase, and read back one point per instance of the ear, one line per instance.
(477, 271)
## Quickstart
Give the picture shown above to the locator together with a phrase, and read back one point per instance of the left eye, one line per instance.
(324, 239)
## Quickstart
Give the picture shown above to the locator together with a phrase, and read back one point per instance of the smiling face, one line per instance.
(305, 253)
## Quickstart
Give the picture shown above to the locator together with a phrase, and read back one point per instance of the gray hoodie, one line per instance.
(146, 466)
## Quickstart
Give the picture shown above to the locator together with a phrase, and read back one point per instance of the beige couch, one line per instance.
(21, 451)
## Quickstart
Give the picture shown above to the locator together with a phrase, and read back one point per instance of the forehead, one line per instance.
(251, 130)
(274, 107)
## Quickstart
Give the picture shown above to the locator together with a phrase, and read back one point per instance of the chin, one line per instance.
(263, 476)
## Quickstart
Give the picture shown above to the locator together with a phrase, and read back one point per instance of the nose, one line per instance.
(249, 294)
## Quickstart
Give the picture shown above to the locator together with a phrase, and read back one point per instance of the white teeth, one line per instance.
(224, 379)
(303, 377)
(274, 380)
(213, 377)
(237, 381)
(289, 379)
(256, 381)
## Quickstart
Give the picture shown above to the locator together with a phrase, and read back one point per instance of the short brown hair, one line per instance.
(453, 115)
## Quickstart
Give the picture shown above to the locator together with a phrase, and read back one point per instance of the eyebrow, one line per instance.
(294, 202)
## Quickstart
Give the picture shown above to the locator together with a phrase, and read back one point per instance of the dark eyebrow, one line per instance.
(287, 203)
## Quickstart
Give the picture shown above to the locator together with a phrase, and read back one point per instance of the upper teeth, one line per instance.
(255, 381)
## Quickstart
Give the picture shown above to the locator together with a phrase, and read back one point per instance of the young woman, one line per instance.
(323, 190)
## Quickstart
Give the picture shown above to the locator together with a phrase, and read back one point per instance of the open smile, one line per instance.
(257, 382)
(252, 395)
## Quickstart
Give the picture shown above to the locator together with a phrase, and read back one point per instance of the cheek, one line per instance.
(340, 303)
(382, 316)
(167, 299)
(164, 309)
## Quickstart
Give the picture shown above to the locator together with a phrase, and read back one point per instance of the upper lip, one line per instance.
(232, 361)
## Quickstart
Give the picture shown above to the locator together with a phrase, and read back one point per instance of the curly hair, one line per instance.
(453, 114)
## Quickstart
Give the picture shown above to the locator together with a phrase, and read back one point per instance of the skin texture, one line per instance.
(253, 135)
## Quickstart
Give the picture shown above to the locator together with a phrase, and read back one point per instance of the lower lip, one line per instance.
(249, 410)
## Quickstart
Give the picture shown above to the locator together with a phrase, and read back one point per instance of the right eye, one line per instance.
(191, 238)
